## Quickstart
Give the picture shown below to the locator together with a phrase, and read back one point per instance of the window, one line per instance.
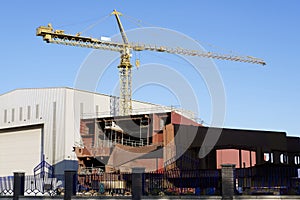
(161, 124)
(297, 160)
(20, 113)
(81, 109)
(37, 111)
(268, 157)
(5, 116)
(227, 156)
(28, 112)
(283, 158)
(271, 157)
(12, 115)
(97, 110)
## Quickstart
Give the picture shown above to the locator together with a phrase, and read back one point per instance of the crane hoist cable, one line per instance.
(94, 24)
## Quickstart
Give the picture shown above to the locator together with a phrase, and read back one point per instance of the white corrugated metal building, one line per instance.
(46, 121)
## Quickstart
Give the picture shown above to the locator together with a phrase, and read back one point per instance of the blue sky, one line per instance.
(258, 97)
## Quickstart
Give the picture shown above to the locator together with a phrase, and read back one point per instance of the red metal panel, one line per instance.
(179, 119)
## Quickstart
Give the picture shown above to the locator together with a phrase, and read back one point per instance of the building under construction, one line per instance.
(44, 124)
(68, 129)
(162, 140)
(166, 141)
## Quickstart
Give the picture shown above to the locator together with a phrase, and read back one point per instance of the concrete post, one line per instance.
(19, 182)
(70, 184)
(137, 183)
(228, 181)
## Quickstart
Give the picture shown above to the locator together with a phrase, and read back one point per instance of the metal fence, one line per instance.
(174, 182)
(183, 182)
(33, 186)
(104, 184)
(267, 180)
(6, 185)
(262, 180)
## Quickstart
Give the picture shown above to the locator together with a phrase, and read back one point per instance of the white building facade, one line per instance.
(44, 123)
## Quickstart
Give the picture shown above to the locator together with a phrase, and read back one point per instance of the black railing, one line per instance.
(183, 182)
(105, 184)
(268, 180)
(258, 180)
(173, 182)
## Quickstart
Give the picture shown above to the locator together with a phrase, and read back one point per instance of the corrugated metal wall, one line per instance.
(26, 107)
(60, 111)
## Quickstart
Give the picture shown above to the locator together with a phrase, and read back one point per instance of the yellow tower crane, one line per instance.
(125, 108)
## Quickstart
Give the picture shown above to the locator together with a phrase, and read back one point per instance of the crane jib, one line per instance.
(59, 37)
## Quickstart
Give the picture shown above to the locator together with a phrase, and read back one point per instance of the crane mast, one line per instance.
(125, 77)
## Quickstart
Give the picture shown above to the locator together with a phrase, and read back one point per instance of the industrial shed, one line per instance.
(44, 124)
